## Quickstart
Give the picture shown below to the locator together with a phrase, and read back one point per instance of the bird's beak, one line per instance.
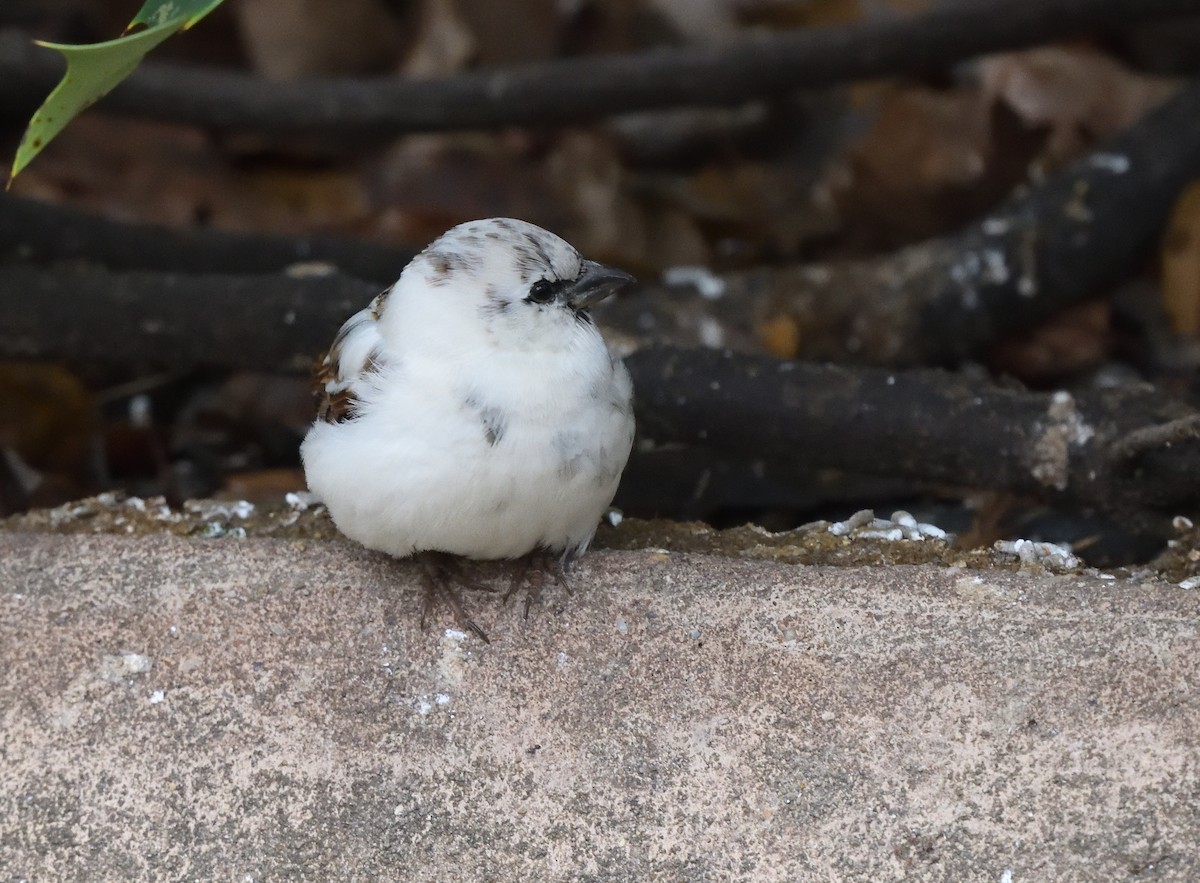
(594, 284)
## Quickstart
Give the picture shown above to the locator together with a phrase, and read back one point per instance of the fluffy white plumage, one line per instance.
(474, 408)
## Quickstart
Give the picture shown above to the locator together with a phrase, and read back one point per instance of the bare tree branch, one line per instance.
(37, 232)
(581, 89)
(690, 483)
(90, 315)
(923, 425)
(1103, 449)
(938, 302)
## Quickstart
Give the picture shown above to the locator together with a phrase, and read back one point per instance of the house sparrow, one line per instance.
(473, 408)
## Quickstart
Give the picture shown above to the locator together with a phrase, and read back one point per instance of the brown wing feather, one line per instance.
(336, 406)
(332, 383)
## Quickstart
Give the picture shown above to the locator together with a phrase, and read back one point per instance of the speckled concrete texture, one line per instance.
(263, 710)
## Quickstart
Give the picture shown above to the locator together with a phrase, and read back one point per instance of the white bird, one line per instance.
(473, 408)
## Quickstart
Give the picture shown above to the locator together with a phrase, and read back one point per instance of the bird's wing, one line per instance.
(355, 354)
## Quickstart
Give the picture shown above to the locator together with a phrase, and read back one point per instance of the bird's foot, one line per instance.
(442, 574)
(532, 570)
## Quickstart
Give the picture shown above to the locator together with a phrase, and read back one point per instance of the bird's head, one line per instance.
(501, 284)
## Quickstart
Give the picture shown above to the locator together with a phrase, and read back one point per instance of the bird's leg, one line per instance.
(441, 574)
(525, 574)
(532, 570)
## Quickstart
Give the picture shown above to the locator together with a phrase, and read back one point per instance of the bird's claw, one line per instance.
(441, 572)
(531, 571)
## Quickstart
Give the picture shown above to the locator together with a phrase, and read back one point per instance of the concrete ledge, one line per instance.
(267, 709)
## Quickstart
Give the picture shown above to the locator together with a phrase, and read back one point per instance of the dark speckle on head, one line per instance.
(538, 240)
(510, 254)
(440, 265)
(533, 253)
(493, 305)
(445, 260)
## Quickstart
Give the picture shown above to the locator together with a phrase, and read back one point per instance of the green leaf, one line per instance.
(94, 69)
(158, 12)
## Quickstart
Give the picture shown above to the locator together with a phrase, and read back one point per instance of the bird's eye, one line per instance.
(541, 292)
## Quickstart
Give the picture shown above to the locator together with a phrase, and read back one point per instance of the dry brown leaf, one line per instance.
(575, 186)
(514, 31)
(444, 42)
(928, 139)
(1076, 340)
(287, 39)
(906, 7)
(1181, 263)
(769, 209)
(46, 417)
(780, 337)
(603, 218)
(934, 159)
(128, 170)
(263, 487)
(699, 21)
(428, 183)
(1079, 94)
(175, 176)
(790, 14)
(673, 238)
(918, 169)
(303, 199)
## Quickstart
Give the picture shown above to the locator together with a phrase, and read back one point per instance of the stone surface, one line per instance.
(268, 709)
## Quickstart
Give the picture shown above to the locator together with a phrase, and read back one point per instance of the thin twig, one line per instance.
(1154, 438)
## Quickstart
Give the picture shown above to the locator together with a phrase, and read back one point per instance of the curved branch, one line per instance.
(942, 301)
(928, 426)
(1154, 438)
(581, 89)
